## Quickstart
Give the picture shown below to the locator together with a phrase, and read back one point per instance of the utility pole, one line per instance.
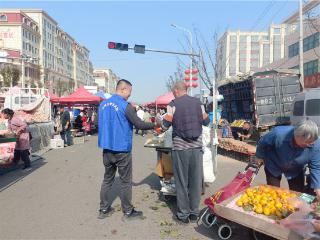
(301, 44)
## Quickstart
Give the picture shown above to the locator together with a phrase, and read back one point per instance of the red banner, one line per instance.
(6, 152)
(312, 81)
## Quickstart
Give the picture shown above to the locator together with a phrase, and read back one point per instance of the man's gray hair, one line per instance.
(307, 129)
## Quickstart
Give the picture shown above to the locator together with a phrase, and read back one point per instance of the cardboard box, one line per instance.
(164, 166)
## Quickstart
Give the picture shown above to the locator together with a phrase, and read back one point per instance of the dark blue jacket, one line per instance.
(280, 155)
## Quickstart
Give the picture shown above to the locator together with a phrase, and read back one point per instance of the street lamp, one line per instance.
(191, 51)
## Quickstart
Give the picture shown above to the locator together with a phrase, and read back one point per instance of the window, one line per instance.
(311, 42)
(24, 100)
(310, 68)
(243, 39)
(313, 107)
(3, 18)
(298, 108)
(276, 30)
(293, 50)
(265, 38)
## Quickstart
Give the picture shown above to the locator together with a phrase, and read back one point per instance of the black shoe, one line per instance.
(26, 169)
(181, 221)
(133, 215)
(193, 218)
(103, 213)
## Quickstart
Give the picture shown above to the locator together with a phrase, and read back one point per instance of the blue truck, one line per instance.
(263, 98)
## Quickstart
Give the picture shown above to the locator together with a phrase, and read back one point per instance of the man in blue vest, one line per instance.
(116, 120)
(186, 115)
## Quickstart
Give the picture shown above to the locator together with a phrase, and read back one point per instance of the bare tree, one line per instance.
(10, 75)
(207, 62)
(176, 76)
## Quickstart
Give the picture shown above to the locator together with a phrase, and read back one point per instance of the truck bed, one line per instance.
(264, 99)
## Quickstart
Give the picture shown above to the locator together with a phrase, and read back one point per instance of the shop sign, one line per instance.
(312, 81)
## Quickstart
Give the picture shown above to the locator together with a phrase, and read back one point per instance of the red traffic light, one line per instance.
(112, 45)
(118, 46)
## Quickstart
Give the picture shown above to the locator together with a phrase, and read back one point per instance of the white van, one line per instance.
(306, 105)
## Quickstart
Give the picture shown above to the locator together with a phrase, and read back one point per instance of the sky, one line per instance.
(95, 23)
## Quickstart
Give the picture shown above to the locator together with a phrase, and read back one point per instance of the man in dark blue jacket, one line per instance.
(116, 120)
(287, 150)
(186, 115)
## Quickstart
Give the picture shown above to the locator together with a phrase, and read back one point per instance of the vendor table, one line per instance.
(6, 140)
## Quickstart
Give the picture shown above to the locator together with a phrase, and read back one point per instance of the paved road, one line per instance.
(59, 199)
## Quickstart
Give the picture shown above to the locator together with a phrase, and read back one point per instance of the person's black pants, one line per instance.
(123, 162)
(295, 184)
(23, 155)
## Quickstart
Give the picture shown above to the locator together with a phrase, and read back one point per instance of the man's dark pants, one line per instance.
(23, 155)
(295, 184)
(188, 175)
(66, 137)
(123, 162)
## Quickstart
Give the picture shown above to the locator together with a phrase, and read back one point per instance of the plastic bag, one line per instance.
(208, 173)
(301, 220)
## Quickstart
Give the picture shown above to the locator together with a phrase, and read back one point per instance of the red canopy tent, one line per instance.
(164, 99)
(80, 96)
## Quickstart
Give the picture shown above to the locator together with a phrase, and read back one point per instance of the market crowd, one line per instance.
(285, 150)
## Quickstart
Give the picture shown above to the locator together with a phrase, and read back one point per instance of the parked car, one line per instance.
(306, 106)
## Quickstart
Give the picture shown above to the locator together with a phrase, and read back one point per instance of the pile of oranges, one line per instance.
(267, 200)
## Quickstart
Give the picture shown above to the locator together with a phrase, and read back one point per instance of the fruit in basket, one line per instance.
(267, 200)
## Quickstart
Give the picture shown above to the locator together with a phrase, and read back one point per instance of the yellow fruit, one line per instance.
(263, 202)
(239, 203)
(278, 205)
(258, 210)
(266, 211)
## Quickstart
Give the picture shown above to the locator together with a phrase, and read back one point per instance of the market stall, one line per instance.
(82, 99)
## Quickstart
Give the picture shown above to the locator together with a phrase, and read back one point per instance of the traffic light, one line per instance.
(139, 49)
(118, 46)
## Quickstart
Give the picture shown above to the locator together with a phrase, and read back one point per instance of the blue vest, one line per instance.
(115, 131)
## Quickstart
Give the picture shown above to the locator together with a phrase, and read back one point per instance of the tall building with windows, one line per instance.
(311, 53)
(20, 44)
(63, 64)
(105, 79)
(240, 52)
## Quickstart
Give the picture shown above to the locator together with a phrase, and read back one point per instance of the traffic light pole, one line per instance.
(169, 52)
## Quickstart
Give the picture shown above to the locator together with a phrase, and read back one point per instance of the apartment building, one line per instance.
(240, 52)
(63, 63)
(20, 44)
(311, 53)
(105, 79)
